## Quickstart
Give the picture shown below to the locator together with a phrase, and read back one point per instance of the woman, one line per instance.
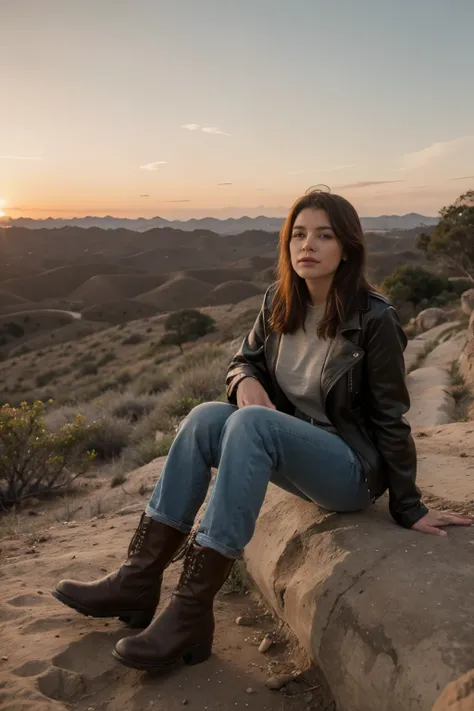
(317, 399)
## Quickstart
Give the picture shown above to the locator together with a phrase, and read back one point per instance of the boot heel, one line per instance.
(137, 620)
(199, 653)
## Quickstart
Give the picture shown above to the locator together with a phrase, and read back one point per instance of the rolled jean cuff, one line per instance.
(161, 518)
(206, 542)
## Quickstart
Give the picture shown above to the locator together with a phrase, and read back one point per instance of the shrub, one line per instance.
(132, 407)
(35, 461)
(152, 383)
(88, 369)
(14, 329)
(108, 357)
(204, 354)
(45, 378)
(133, 339)
(149, 449)
(414, 284)
(202, 383)
(117, 480)
(182, 407)
(123, 378)
(110, 436)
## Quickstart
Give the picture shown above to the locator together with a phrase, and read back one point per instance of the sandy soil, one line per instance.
(54, 658)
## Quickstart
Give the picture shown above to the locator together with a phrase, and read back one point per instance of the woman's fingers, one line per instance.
(455, 519)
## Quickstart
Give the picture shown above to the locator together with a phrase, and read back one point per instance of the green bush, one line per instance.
(413, 284)
(35, 461)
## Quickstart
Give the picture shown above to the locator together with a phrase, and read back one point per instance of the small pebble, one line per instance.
(4, 659)
(249, 690)
(245, 621)
(265, 644)
(185, 702)
(277, 682)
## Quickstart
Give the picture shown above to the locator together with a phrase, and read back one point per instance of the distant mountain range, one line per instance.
(229, 226)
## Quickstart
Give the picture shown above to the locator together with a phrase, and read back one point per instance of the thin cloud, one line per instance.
(206, 129)
(215, 131)
(442, 149)
(153, 166)
(144, 195)
(177, 200)
(369, 183)
(225, 183)
(20, 158)
(466, 177)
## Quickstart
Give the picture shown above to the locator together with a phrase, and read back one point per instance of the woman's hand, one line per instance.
(250, 392)
(431, 522)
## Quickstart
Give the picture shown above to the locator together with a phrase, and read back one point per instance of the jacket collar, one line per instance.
(353, 321)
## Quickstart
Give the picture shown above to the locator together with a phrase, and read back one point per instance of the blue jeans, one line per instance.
(250, 447)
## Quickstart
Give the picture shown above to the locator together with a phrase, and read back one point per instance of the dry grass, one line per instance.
(461, 393)
(421, 357)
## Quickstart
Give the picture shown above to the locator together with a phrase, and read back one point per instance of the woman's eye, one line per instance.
(325, 235)
(298, 235)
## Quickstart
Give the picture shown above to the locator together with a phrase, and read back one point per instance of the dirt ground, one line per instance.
(52, 658)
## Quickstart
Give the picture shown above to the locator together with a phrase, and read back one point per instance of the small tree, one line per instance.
(185, 326)
(413, 284)
(35, 461)
(452, 241)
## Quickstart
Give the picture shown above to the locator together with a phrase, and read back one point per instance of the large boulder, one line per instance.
(385, 612)
(467, 301)
(429, 318)
(458, 695)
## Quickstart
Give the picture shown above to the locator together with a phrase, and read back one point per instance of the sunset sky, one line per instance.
(185, 108)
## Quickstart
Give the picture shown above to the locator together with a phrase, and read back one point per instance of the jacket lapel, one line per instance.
(342, 354)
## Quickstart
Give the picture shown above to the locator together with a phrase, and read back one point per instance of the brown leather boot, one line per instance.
(132, 593)
(185, 629)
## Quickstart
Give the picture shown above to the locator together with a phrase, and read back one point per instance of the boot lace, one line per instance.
(138, 539)
(192, 567)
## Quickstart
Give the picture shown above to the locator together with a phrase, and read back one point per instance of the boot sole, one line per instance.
(194, 655)
(137, 619)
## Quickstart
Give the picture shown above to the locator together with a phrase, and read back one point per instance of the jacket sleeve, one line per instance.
(389, 402)
(249, 361)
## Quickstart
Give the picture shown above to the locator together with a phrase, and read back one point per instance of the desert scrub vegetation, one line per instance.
(109, 436)
(133, 339)
(130, 406)
(461, 393)
(151, 383)
(34, 461)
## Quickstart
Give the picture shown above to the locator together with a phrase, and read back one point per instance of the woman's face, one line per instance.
(314, 249)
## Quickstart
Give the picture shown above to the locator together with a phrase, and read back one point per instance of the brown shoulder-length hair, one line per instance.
(291, 297)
